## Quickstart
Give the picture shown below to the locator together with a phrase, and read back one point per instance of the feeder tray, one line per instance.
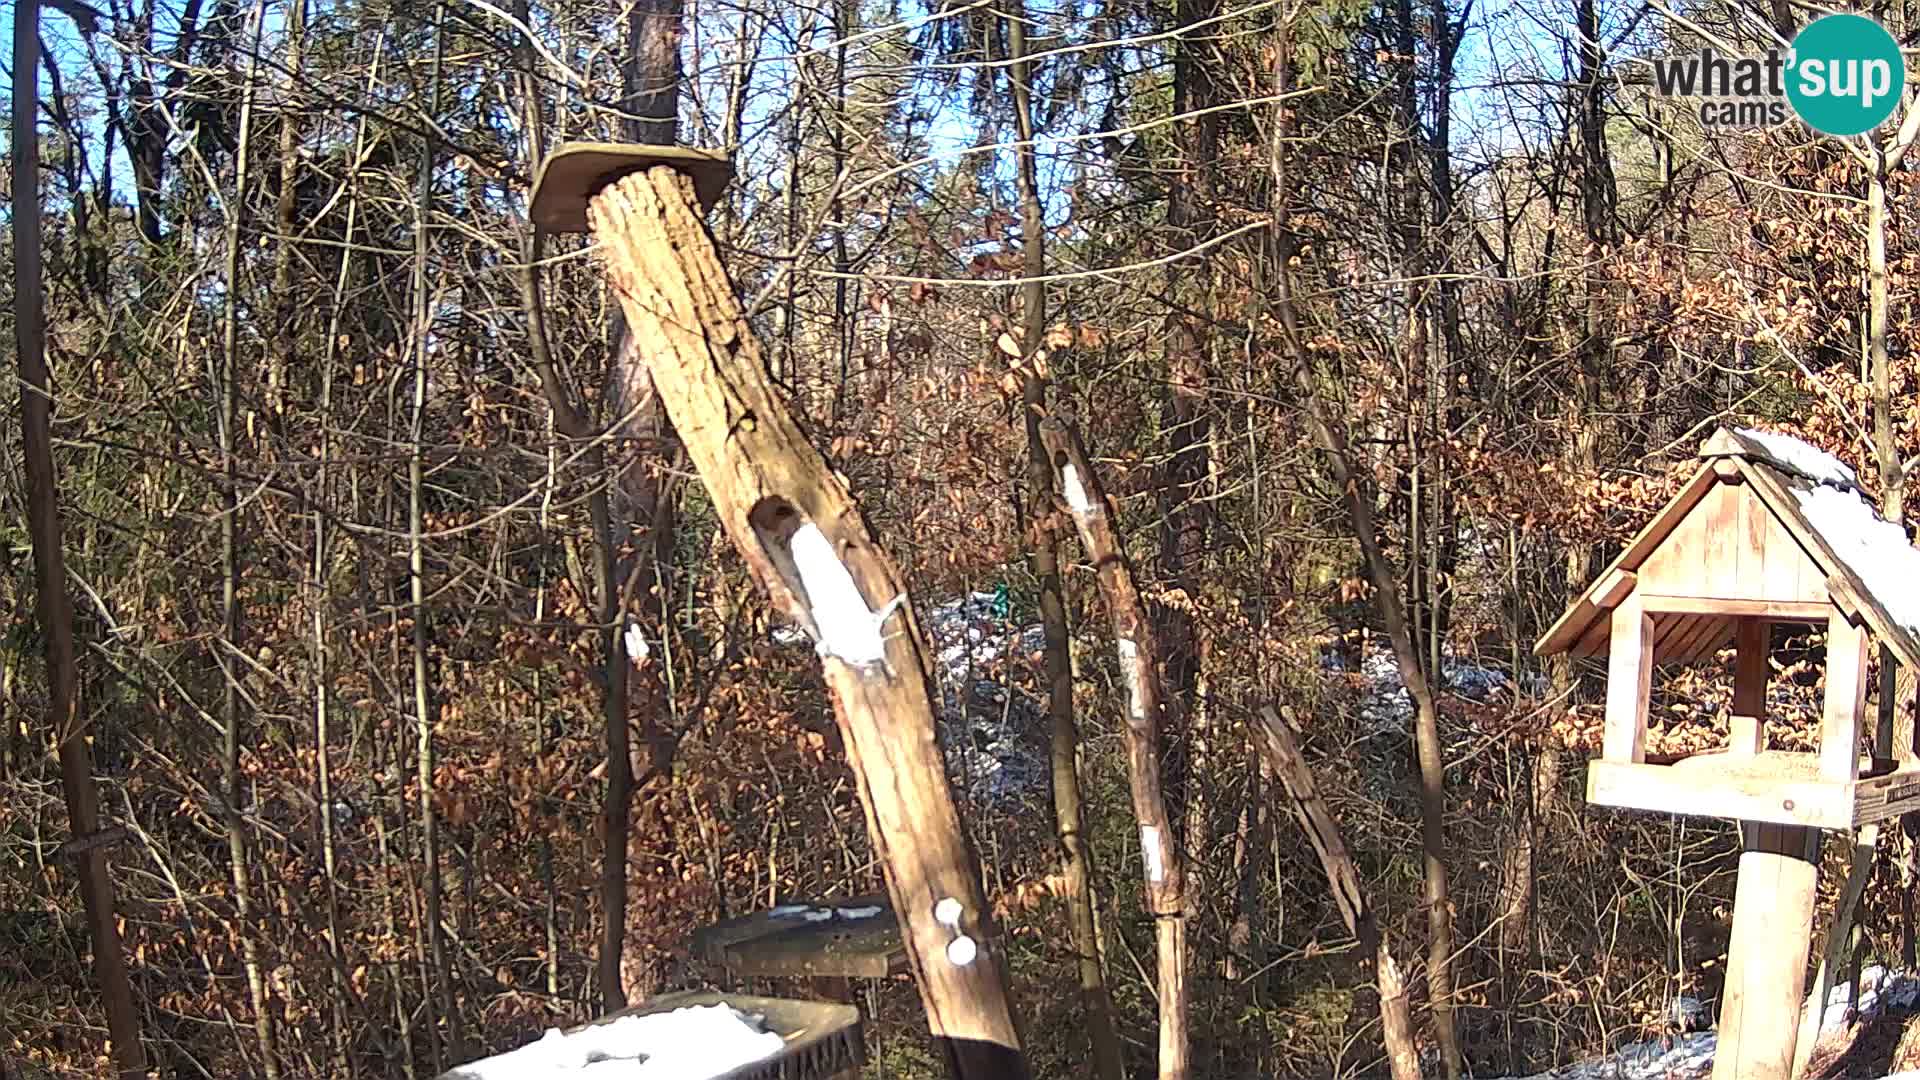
(572, 175)
(823, 1040)
(784, 943)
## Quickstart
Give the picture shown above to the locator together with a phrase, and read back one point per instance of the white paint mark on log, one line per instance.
(1070, 486)
(1150, 851)
(848, 628)
(1135, 673)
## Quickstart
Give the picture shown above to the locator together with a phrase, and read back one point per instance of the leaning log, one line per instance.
(802, 537)
(1310, 810)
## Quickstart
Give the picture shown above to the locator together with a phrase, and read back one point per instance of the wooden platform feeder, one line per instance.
(1768, 530)
(827, 941)
(824, 1041)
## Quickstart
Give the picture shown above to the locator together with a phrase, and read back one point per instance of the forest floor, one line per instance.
(1879, 1042)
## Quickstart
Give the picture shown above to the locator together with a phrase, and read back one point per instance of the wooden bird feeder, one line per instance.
(801, 534)
(1768, 530)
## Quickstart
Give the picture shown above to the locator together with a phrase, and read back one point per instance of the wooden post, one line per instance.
(1629, 681)
(1747, 725)
(803, 540)
(1846, 700)
(1767, 956)
(1139, 649)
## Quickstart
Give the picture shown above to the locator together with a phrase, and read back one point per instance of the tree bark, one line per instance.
(66, 723)
(639, 527)
(1141, 667)
(804, 542)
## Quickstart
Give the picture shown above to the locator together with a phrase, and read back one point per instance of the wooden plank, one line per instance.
(1718, 636)
(1613, 588)
(1718, 519)
(1747, 726)
(1573, 623)
(1812, 612)
(1594, 641)
(805, 542)
(1846, 699)
(1629, 679)
(1787, 571)
(1890, 796)
(1767, 953)
(1706, 630)
(1724, 786)
(1667, 632)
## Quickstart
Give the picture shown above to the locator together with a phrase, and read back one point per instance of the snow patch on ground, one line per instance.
(1691, 1056)
(1387, 708)
(1802, 457)
(986, 724)
(693, 1043)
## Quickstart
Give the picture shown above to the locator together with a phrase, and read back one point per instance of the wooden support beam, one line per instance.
(1846, 699)
(1629, 680)
(1808, 611)
(1747, 726)
(1613, 588)
(804, 541)
(1767, 955)
(1140, 660)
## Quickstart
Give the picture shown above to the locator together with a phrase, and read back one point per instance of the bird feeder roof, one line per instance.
(1759, 502)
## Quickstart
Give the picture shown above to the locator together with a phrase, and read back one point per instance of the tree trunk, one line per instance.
(1357, 492)
(424, 707)
(1142, 670)
(1043, 559)
(1185, 514)
(232, 646)
(639, 528)
(66, 723)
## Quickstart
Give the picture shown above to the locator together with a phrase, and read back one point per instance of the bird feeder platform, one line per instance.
(572, 175)
(1767, 530)
(857, 938)
(1775, 785)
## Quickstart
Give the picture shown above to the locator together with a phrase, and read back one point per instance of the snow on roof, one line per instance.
(1875, 549)
(1798, 457)
(691, 1043)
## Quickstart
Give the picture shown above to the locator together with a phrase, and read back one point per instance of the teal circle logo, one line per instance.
(1846, 74)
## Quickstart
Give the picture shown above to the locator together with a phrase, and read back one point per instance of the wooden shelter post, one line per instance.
(1747, 724)
(804, 541)
(1846, 699)
(1767, 954)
